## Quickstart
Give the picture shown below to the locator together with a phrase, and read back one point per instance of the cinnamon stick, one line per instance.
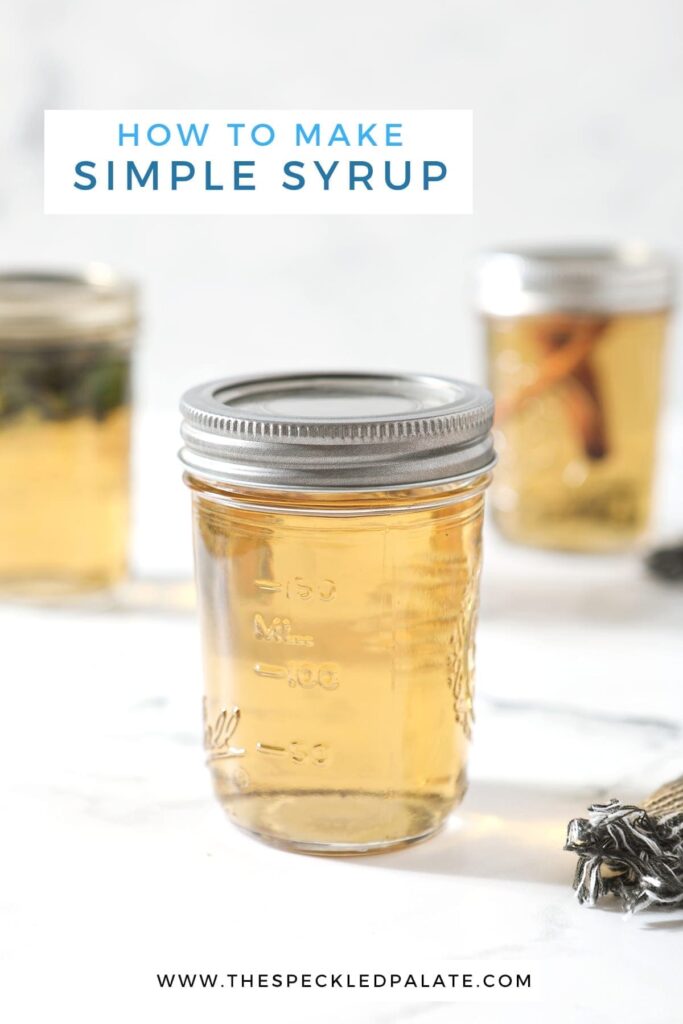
(567, 347)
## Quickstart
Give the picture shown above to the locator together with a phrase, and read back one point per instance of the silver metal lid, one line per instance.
(38, 308)
(336, 431)
(600, 279)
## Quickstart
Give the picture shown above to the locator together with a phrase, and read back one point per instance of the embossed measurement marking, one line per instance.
(279, 632)
(303, 674)
(270, 586)
(299, 587)
(299, 753)
(270, 671)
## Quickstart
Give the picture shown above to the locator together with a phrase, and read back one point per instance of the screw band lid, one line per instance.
(331, 431)
(525, 281)
(42, 307)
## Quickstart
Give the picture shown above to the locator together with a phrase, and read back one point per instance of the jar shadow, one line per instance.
(613, 597)
(566, 588)
(138, 595)
(503, 831)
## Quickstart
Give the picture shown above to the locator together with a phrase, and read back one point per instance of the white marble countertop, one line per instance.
(120, 865)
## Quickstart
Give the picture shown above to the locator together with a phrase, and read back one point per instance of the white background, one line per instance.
(577, 108)
(577, 114)
(117, 858)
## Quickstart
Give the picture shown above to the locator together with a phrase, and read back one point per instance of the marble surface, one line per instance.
(117, 863)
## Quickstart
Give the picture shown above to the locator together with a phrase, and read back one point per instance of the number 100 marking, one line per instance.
(302, 673)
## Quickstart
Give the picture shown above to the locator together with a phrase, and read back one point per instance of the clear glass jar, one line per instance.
(576, 343)
(337, 531)
(65, 352)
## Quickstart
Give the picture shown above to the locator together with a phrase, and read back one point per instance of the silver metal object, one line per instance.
(337, 431)
(590, 279)
(42, 308)
(633, 853)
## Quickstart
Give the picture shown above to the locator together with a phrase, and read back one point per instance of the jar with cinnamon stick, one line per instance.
(575, 346)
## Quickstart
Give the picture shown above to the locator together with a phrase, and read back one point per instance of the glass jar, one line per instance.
(65, 348)
(576, 342)
(337, 530)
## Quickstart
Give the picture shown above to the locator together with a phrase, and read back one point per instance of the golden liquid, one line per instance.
(339, 656)
(64, 484)
(575, 438)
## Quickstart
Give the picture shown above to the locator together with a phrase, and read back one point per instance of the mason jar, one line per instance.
(337, 534)
(65, 352)
(576, 340)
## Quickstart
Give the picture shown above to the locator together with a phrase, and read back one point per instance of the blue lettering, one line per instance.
(128, 135)
(176, 166)
(326, 175)
(365, 134)
(239, 174)
(270, 134)
(406, 176)
(235, 132)
(339, 135)
(165, 134)
(299, 178)
(142, 179)
(394, 135)
(427, 178)
(208, 184)
(90, 178)
(356, 177)
(192, 132)
(312, 137)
